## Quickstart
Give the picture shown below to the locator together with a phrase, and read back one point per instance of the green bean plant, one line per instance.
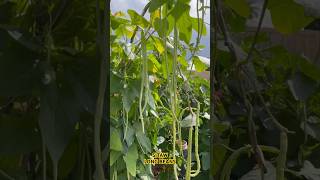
(158, 103)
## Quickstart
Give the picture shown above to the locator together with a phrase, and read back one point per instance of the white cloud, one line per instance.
(124, 5)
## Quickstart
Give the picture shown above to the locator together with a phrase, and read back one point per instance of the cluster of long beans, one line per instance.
(171, 77)
(174, 106)
(144, 88)
(192, 173)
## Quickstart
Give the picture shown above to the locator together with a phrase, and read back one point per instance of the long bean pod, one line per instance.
(143, 74)
(282, 156)
(173, 96)
(196, 142)
(188, 172)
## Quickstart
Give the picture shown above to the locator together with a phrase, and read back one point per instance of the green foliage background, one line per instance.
(49, 80)
(278, 85)
(49, 75)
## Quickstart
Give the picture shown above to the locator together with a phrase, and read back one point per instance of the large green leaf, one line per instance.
(81, 77)
(130, 135)
(69, 158)
(184, 25)
(131, 159)
(58, 115)
(158, 45)
(151, 101)
(115, 143)
(195, 25)
(130, 93)
(144, 141)
(235, 22)
(241, 7)
(160, 24)
(137, 19)
(114, 155)
(170, 20)
(127, 99)
(312, 127)
(301, 86)
(115, 83)
(288, 16)
(205, 160)
(309, 69)
(154, 63)
(199, 65)
(156, 4)
(116, 21)
(179, 9)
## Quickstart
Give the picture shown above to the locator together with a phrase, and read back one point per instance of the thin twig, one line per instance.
(59, 12)
(11, 100)
(4, 174)
(265, 4)
(223, 29)
(252, 131)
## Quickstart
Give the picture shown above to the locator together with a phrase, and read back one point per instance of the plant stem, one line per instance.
(102, 47)
(5, 175)
(188, 172)
(88, 161)
(281, 166)
(196, 142)
(55, 171)
(305, 121)
(265, 4)
(44, 157)
(141, 108)
(173, 96)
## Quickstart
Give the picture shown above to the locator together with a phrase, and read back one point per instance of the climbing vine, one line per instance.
(155, 64)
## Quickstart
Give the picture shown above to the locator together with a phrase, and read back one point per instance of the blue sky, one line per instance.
(138, 5)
